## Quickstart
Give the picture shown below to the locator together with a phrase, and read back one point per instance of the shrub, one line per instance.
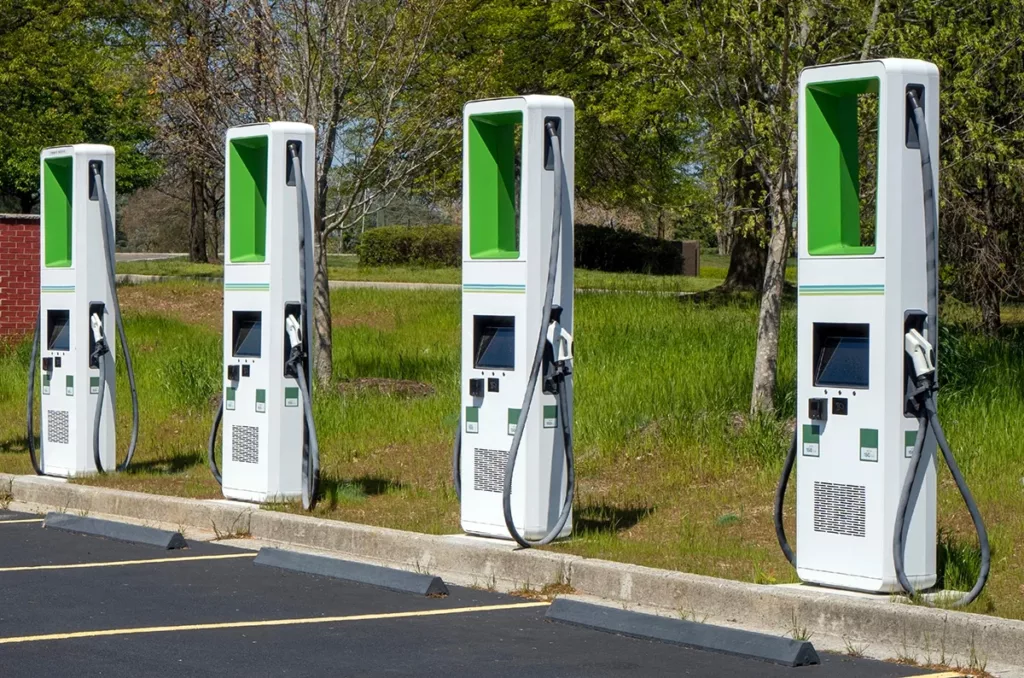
(596, 247)
(416, 245)
(604, 248)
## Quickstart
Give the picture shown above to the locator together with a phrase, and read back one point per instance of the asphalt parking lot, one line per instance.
(87, 606)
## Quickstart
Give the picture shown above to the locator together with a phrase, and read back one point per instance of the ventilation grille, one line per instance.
(489, 470)
(245, 444)
(57, 426)
(839, 509)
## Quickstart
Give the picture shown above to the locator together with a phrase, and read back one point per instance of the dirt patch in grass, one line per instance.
(400, 388)
(195, 304)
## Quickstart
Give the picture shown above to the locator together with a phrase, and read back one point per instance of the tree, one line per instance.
(373, 78)
(153, 219)
(194, 63)
(70, 71)
(739, 63)
(978, 50)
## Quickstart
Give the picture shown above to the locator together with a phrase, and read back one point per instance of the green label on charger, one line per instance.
(472, 420)
(513, 421)
(550, 416)
(291, 396)
(46, 384)
(94, 384)
(869, 444)
(230, 403)
(69, 387)
(811, 440)
(909, 441)
(261, 400)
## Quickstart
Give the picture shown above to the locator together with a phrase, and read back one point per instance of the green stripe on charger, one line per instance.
(840, 290)
(247, 286)
(477, 288)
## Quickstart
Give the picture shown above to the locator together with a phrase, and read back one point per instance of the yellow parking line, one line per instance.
(267, 622)
(118, 563)
(20, 520)
(947, 674)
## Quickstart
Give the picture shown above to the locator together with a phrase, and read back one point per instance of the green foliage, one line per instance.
(637, 143)
(978, 50)
(596, 247)
(70, 72)
(617, 250)
(417, 245)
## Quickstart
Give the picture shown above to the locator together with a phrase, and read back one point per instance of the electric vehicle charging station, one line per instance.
(517, 319)
(270, 449)
(78, 312)
(866, 432)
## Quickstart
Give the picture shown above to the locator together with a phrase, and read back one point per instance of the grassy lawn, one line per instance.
(346, 267)
(670, 473)
(175, 266)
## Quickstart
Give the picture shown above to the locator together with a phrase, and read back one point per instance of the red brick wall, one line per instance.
(19, 273)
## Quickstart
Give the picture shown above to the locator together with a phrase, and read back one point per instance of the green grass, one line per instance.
(346, 267)
(177, 266)
(671, 474)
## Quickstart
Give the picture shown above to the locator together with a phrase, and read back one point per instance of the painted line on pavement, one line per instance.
(263, 623)
(119, 563)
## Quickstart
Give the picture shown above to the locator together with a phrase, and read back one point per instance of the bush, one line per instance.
(603, 248)
(415, 245)
(596, 247)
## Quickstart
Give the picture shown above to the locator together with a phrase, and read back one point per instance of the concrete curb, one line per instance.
(465, 562)
(220, 518)
(891, 628)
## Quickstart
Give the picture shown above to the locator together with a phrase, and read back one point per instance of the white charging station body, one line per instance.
(74, 279)
(507, 222)
(857, 298)
(263, 417)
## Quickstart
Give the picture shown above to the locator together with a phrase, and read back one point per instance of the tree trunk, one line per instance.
(197, 219)
(989, 293)
(323, 358)
(869, 34)
(214, 231)
(991, 319)
(726, 231)
(762, 397)
(746, 264)
(748, 256)
(27, 201)
(323, 353)
(723, 241)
